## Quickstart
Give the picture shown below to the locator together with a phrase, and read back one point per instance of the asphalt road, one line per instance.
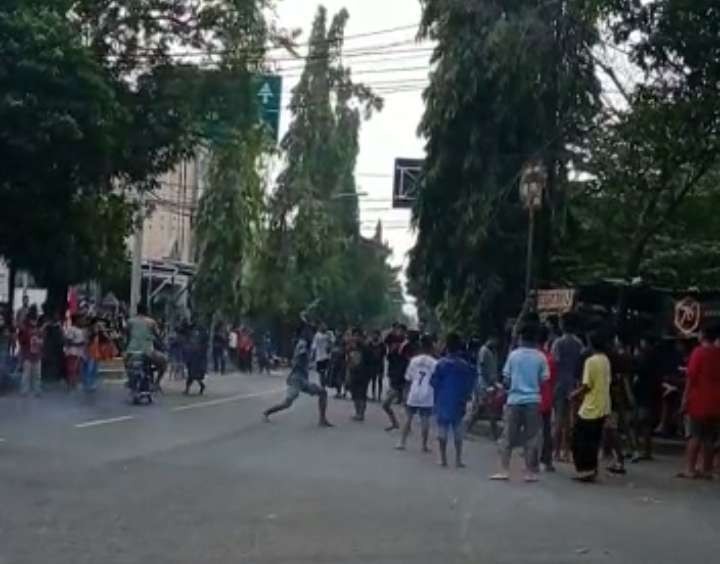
(204, 480)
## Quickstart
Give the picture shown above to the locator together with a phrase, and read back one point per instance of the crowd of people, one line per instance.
(37, 345)
(243, 347)
(561, 395)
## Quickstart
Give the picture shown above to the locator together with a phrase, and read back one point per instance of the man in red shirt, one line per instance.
(701, 402)
(547, 393)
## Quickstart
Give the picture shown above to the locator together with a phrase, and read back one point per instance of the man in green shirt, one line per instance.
(142, 332)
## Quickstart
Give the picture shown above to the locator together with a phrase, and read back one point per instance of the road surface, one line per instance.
(204, 480)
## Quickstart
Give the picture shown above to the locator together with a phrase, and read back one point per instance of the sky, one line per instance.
(396, 66)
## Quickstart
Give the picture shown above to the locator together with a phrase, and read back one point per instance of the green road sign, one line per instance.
(268, 89)
(229, 92)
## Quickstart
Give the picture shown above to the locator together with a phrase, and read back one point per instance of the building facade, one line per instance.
(168, 227)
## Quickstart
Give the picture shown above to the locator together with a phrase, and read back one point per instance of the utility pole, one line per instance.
(530, 249)
(136, 273)
(532, 184)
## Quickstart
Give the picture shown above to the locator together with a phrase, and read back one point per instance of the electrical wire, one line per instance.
(374, 59)
(363, 72)
(344, 39)
(259, 56)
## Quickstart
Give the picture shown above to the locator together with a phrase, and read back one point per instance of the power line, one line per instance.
(259, 56)
(343, 39)
(395, 55)
(373, 71)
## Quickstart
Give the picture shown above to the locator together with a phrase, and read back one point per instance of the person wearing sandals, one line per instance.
(594, 394)
(526, 368)
(701, 402)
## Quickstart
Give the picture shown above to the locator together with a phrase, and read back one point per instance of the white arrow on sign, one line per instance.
(266, 93)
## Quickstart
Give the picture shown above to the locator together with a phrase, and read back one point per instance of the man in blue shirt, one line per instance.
(525, 369)
(453, 381)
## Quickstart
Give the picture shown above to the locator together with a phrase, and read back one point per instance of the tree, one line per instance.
(654, 159)
(313, 256)
(93, 91)
(511, 81)
(230, 210)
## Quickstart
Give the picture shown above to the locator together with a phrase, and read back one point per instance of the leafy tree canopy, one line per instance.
(96, 100)
(313, 257)
(653, 163)
(511, 81)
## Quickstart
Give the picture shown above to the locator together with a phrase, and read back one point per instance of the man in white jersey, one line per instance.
(420, 396)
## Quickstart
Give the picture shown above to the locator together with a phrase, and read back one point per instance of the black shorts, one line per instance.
(322, 365)
(704, 429)
(423, 412)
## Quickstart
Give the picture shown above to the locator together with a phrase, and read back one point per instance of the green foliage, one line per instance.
(654, 161)
(230, 213)
(228, 223)
(95, 105)
(511, 81)
(312, 254)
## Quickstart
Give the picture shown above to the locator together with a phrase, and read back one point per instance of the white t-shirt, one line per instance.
(75, 341)
(418, 373)
(321, 346)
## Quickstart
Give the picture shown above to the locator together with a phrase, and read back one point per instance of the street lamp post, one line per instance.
(532, 185)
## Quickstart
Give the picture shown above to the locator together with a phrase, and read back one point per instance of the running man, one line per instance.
(299, 381)
(420, 398)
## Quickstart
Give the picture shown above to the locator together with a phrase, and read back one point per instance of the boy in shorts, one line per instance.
(453, 382)
(299, 382)
(420, 397)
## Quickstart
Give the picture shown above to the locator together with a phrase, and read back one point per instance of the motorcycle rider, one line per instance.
(142, 332)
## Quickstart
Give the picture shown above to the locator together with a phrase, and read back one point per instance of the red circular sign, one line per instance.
(687, 316)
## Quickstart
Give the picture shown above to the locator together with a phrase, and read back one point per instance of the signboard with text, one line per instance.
(228, 93)
(268, 89)
(555, 301)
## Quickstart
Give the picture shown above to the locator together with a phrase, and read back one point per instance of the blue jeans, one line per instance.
(89, 374)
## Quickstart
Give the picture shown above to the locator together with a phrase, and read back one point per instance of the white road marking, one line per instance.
(98, 422)
(2, 440)
(228, 399)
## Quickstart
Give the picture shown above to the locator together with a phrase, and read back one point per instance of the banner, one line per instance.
(555, 301)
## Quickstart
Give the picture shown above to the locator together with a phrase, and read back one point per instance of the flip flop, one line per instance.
(500, 477)
(685, 476)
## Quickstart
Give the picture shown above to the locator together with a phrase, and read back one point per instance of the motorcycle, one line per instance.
(140, 380)
(488, 404)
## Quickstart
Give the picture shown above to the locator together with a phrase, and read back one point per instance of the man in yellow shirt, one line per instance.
(595, 407)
